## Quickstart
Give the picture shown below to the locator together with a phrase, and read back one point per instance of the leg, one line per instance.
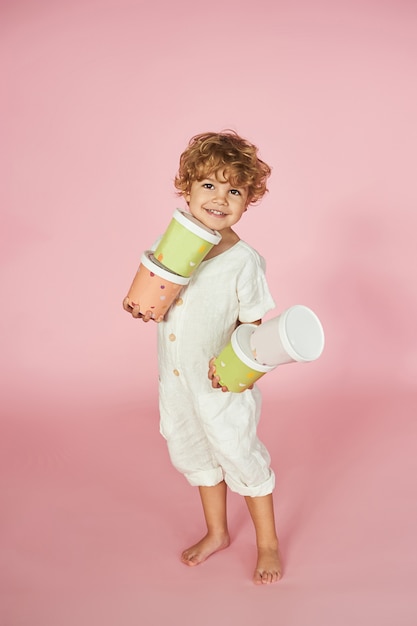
(268, 567)
(217, 538)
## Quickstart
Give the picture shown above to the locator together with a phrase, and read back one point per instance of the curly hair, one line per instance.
(235, 158)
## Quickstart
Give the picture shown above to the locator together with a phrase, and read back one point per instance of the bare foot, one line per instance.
(204, 548)
(268, 568)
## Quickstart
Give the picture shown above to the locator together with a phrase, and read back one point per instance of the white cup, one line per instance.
(294, 335)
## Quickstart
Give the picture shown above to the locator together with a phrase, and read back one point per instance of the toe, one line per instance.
(257, 577)
(189, 559)
(276, 577)
(266, 578)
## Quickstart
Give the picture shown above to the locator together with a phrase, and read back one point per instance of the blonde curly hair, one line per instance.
(235, 158)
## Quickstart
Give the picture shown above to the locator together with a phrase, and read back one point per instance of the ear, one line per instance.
(187, 194)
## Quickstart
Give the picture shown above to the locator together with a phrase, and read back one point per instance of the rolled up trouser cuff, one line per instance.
(206, 478)
(254, 491)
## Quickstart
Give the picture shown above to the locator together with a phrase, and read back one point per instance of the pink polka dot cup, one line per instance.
(154, 288)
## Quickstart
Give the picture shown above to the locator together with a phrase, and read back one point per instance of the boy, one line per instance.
(211, 436)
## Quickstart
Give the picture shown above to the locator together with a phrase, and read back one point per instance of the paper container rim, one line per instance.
(209, 235)
(288, 347)
(246, 330)
(156, 269)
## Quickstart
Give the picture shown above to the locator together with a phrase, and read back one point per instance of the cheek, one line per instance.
(241, 207)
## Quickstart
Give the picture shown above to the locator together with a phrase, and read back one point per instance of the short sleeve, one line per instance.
(255, 299)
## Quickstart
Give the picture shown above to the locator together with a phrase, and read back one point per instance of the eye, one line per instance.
(208, 185)
(235, 192)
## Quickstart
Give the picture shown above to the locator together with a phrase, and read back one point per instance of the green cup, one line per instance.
(236, 366)
(185, 243)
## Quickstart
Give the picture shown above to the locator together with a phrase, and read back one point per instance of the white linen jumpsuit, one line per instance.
(211, 435)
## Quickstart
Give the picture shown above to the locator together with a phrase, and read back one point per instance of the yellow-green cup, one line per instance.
(236, 365)
(185, 243)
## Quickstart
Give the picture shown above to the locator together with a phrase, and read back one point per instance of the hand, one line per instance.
(215, 380)
(135, 311)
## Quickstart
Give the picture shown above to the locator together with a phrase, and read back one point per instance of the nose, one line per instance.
(220, 197)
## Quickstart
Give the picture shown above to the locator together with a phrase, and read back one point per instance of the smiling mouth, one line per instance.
(214, 212)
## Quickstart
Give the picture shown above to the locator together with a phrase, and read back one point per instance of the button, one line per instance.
(179, 301)
(172, 337)
(176, 373)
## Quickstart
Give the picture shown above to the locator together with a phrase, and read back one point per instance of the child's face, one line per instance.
(216, 203)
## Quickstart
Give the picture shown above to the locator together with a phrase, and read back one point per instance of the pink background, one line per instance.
(99, 99)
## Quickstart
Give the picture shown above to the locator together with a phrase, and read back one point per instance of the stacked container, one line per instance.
(162, 274)
(296, 335)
